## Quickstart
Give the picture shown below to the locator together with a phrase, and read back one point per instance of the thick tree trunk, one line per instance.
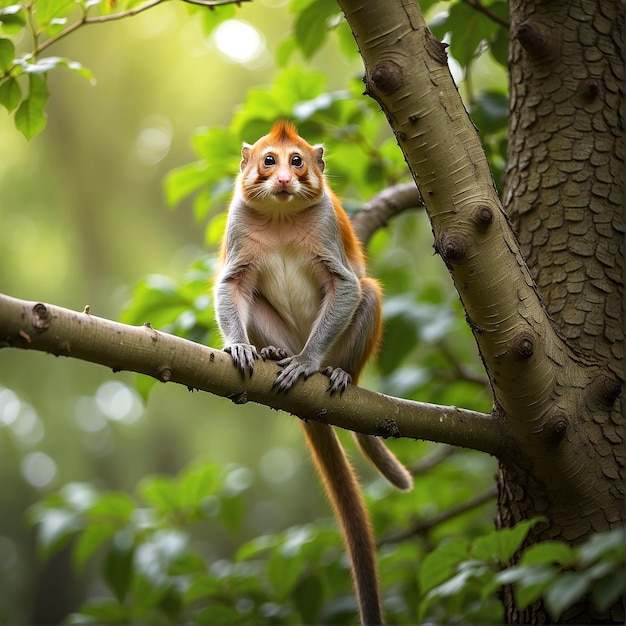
(555, 363)
(564, 193)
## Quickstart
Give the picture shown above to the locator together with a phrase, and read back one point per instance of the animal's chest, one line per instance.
(292, 285)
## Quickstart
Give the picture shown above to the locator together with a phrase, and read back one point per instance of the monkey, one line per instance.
(292, 287)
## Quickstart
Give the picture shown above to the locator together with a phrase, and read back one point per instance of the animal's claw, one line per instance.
(244, 355)
(293, 367)
(338, 379)
(273, 354)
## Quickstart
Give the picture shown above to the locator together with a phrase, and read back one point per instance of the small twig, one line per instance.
(95, 20)
(211, 4)
(460, 371)
(100, 19)
(382, 207)
(432, 460)
(476, 4)
(425, 526)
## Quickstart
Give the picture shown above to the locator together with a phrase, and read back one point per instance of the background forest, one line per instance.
(118, 204)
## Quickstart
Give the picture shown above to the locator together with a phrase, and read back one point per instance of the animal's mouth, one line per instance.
(283, 195)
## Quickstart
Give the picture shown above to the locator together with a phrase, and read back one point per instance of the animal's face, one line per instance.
(282, 172)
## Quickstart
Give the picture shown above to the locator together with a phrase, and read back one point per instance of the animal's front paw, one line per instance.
(338, 379)
(244, 355)
(273, 354)
(293, 368)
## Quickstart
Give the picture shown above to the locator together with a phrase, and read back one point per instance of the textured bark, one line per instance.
(564, 177)
(564, 192)
(554, 355)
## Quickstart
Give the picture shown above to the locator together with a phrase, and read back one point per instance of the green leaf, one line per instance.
(219, 145)
(255, 547)
(308, 597)
(202, 586)
(345, 37)
(162, 492)
(171, 604)
(565, 591)
(451, 587)
(115, 507)
(215, 228)
(219, 614)
(548, 552)
(183, 181)
(117, 569)
(500, 47)
(283, 570)
(440, 564)
(7, 54)
(468, 28)
(53, 12)
(154, 294)
(106, 612)
(10, 93)
(285, 51)
(231, 512)
(607, 590)
(198, 484)
(299, 5)
(212, 19)
(610, 543)
(12, 19)
(30, 117)
(46, 64)
(530, 581)
(144, 385)
(147, 592)
(187, 564)
(502, 544)
(490, 111)
(90, 540)
(311, 26)
(155, 556)
(56, 527)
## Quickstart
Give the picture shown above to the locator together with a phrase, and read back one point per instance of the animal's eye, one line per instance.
(296, 160)
(269, 160)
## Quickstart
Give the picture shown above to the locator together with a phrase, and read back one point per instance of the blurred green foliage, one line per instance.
(243, 537)
(155, 573)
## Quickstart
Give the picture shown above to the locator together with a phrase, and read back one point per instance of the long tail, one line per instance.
(385, 461)
(344, 493)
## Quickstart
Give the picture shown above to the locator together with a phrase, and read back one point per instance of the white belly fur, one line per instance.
(287, 282)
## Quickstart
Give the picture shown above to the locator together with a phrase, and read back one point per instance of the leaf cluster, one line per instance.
(23, 76)
(459, 580)
(158, 569)
(361, 154)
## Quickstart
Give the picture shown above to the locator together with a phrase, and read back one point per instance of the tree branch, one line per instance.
(381, 208)
(518, 343)
(481, 8)
(432, 460)
(540, 384)
(461, 372)
(111, 17)
(423, 527)
(142, 349)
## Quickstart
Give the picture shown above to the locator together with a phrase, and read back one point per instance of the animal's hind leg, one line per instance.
(356, 345)
(360, 340)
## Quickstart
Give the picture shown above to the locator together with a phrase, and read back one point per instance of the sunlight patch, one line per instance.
(239, 41)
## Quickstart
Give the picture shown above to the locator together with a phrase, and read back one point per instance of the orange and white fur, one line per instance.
(292, 288)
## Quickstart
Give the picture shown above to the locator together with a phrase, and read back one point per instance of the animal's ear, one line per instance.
(245, 155)
(318, 151)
